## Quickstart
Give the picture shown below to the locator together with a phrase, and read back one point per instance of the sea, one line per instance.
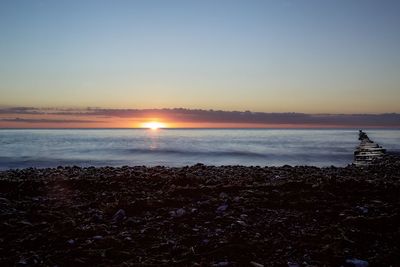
(42, 148)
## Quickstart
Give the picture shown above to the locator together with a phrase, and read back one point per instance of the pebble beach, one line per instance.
(201, 216)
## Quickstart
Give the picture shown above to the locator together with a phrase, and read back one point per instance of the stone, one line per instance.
(119, 216)
(356, 263)
(222, 264)
(98, 237)
(178, 213)
(223, 195)
(222, 208)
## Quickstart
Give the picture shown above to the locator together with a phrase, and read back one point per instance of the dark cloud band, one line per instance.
(206, 116)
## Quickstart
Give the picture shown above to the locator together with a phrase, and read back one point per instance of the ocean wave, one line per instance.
(182, 152)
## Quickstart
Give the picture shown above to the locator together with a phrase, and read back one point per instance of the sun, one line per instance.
(153, 125)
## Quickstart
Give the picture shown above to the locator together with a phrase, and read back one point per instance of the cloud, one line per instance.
(28, 120)
(20, 110)
(219, 116)
(205, 116)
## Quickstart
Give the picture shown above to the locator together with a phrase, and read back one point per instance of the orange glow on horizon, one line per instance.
(153, 125)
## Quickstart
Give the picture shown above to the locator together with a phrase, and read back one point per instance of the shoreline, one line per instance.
(119, 167)
(205, 215)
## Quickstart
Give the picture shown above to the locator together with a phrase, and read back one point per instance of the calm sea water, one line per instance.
(180, 147)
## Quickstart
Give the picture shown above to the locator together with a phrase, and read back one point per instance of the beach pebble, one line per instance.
(97, 218)
(25, 223)
(22, 262)
(178, 213)
(194, 210)
(222, 208)
(242, 223)
(131, 221)
(363, 210)
(223, 195)
(31, 260)
(119, 216)
(221, 264)
(4, 200)
(98, 237)
(356, 263)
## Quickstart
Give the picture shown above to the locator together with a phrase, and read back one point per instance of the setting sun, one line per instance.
(154, 125)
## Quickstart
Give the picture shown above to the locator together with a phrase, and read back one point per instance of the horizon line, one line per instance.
(207, 128)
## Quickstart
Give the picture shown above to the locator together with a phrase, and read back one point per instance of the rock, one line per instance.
(97, 218)
(22, 262)
(242, 223)
(255, 264)
(205, 242)
(222, 264)
(236, 199)
(131, 222)
(222, 208)
(178, 213)
(119, 216)
(356, 263)
(98, 237)
(243, 216)
(223, 195)
(363, 210)
(25, 223)
(194, 210)
(4, 200)
(31, 260)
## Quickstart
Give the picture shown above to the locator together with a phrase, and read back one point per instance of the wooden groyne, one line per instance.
(368, 151)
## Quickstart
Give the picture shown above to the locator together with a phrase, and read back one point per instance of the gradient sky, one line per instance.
(267, 56)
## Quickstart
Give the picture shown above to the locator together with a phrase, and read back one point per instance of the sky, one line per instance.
(313, 57)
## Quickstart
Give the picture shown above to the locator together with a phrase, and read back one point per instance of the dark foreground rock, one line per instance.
(201, 216)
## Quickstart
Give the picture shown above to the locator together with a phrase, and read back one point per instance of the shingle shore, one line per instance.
(201, 215)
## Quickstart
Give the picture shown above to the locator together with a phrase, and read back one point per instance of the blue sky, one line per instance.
(270, 56)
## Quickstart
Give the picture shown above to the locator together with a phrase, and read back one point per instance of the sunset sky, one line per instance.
(265, 56)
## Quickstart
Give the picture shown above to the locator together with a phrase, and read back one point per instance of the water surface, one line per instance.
(180, 147)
